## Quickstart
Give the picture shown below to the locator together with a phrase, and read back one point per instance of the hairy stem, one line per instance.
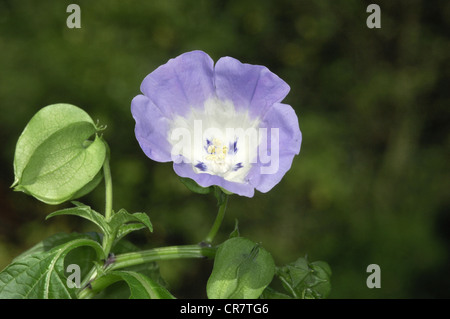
(163, 253)
(151, 255)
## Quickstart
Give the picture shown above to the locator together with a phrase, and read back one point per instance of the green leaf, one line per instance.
(54, 160)
(122, 217)
(89, 187)
(86, 212)
(49, 243)
(242, 269)
(85, 257)
(270, 293)
(119, 223)
(39, 272)
(141, 286)
(123, 223)
(193, 186)
(128, 228)
(306, 280)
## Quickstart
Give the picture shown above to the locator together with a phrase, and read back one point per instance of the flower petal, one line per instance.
(151, 129)
(267, 173)
(183, 82)
(249, 87)
(179, 91)
(206, 180)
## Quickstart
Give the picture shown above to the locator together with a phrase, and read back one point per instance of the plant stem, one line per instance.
(151, 255)
(92, 273)
(108, 189)
(108, 239)
(219, 218)
(162, 253)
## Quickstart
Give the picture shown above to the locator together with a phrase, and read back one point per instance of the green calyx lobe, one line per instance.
(242, 270)
(54, 159)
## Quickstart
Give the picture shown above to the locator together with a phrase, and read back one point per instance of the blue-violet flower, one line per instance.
(219, 124)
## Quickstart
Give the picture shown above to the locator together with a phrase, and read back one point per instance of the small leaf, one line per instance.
(123, 217)
(39, 273)
(128, 228)
(86, 212)
(141, 286)
(193, 186)
(123, 223)
(306, 280)
(54, 160)
(242, 269)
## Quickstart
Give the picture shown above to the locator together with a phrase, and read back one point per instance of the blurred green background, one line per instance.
(371, 184)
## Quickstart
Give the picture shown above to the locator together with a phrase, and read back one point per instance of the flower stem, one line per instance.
(108, 239)
(108, 189)
(219, 218)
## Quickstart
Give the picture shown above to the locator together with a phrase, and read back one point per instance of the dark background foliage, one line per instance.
(371, 184)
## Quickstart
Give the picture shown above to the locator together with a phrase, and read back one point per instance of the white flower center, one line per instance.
(216, 140)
